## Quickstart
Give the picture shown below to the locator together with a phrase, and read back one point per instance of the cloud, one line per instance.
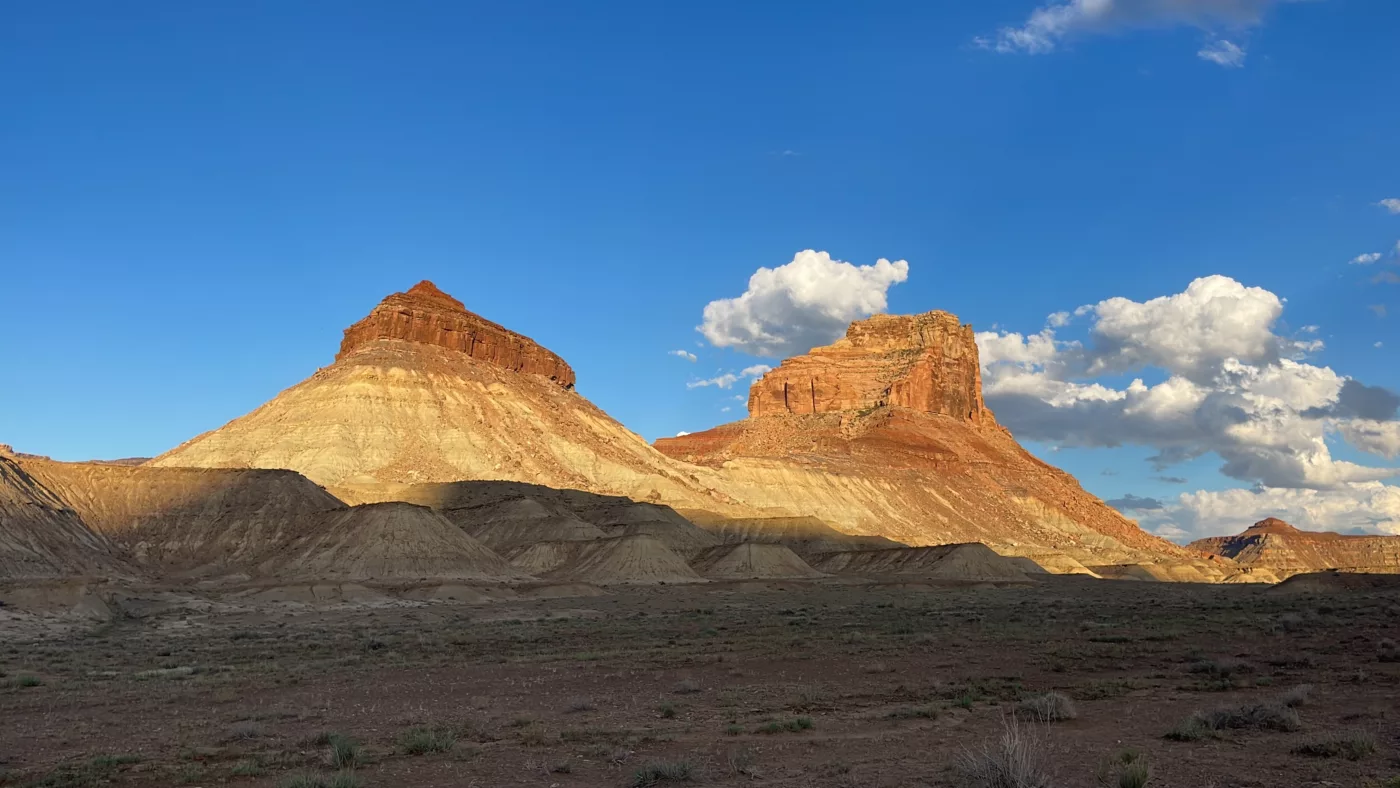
(1132, 502)
(1356, 400)
(1229, 385)
(728, 379)
(795, 307)
(1171, 479)
(687, 355)
(1223, 53)
(1379, 309)
(1369, 507)
(1386, 277)
(1365, 259)
(1379, 344)
(1391, 204)
(1376, 437)
(682, 434)
(1059, 319)
(1051, 25)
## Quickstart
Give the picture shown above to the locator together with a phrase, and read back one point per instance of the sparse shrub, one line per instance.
(561, 767)
(794, 725)
(344, 779)
(1101, 690)
(247, 769)
(663, 772)
(1016, 760)
(687, 686)
(1298, 696)
(1049, 707)
(246, 730)
(418, 741)
(1193, 728)
(534, 735)
(740, 761)
(1220, 674)
(23, 682)
(1388, 651)
(108, 762)
(580, 704)
(1128, 769)
(734, 730)
(1268, 716)
(344, 752)
(668, 710)
(1352, 746)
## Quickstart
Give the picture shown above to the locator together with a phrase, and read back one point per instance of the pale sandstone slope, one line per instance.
(425, 391)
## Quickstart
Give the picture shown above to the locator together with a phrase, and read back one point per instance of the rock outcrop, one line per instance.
(885, 433)
(428, 316)
(1274, 545)
(926, 363)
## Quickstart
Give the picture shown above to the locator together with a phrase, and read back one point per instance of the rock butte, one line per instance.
(927, 363)
(1274, 545)
(429, 316)
(881, 434)
(889, 423)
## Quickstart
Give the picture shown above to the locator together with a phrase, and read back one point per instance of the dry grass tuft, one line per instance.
(1016, 760)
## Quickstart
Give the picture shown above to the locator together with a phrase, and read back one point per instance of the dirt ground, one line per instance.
(816, 684)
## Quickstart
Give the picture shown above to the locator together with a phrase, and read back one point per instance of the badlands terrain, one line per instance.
(433, 562)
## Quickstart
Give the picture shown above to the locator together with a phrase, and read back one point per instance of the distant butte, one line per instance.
(428, 316)
(1286, 550)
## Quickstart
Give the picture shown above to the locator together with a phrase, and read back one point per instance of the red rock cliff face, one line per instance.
(926, 363)
(427, 315)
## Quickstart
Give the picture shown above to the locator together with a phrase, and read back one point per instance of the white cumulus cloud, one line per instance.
(1366, 259)
(808, 302)
(1057, 22)
(1223, 53)
(685, 354)
(1391, 204)
(1229, 385)
(1369, 507)
(728, 379)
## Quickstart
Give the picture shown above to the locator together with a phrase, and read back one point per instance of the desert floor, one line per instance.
(819, 684)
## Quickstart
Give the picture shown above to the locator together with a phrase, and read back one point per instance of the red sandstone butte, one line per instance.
(926, 363)
(428, 316)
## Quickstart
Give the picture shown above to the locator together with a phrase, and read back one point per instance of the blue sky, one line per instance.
(198, 198)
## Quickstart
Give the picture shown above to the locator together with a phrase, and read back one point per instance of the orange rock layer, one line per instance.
(428, 316)
(926, 363)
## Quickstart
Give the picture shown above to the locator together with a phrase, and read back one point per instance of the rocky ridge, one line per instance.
(1274, 545)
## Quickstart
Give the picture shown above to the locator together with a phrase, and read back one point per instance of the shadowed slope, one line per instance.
(42, 537)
